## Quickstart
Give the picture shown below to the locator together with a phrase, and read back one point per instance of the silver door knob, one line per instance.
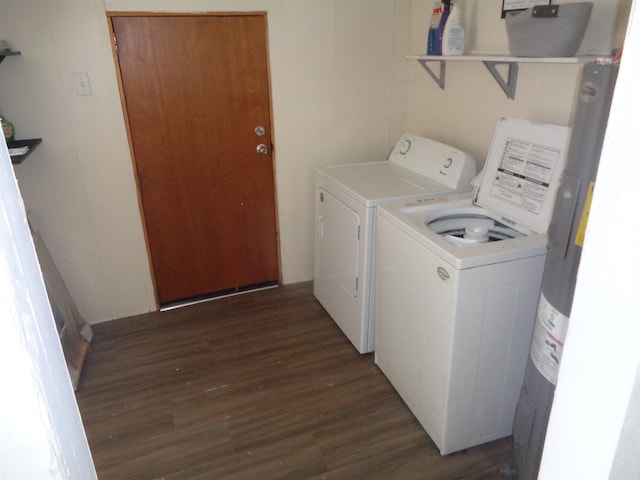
(260, 130)
(262, 149)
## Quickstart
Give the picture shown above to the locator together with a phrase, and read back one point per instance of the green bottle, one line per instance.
(7, 128)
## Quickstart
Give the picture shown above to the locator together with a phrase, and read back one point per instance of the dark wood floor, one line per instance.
(257, 386)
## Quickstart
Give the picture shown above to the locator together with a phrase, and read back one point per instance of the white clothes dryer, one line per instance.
(346, 197)
(458, 283)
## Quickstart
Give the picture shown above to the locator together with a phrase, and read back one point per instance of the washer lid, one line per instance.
(522, 172)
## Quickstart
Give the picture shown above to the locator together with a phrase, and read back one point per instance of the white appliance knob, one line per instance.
(405, 146)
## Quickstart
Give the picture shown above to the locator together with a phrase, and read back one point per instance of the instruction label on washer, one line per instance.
(548, 339)
(525, 173)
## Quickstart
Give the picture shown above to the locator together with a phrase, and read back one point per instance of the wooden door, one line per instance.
(195, 88)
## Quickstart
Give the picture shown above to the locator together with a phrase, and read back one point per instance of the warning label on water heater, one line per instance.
(548, 339)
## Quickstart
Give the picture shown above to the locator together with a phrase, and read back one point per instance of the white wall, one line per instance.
(330, 67)
(79, 183)
(41, 434)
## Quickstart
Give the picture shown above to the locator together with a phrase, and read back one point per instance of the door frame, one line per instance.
(114, 49)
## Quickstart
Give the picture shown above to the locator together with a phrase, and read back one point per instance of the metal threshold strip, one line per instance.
(217, 296)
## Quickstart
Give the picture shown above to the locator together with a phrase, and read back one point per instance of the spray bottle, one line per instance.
(441, 25)
(433, 28)
(453, 34)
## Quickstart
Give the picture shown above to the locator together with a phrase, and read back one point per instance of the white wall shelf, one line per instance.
(508, 84)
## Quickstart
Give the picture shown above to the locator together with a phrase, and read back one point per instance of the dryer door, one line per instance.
(337, 242)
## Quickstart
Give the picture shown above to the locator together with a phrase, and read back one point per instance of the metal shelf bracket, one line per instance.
(8, 53)
(507, 85)
(507, 82)
(439, 79)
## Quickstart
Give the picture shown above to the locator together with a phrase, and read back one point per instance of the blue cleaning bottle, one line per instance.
(443, 22)
(433, 28)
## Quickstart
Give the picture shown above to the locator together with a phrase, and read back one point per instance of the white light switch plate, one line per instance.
(81, 82)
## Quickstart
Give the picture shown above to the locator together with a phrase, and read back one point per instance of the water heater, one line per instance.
(566, 235)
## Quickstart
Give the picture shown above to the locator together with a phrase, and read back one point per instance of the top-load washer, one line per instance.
(458, 285)
(346, 197)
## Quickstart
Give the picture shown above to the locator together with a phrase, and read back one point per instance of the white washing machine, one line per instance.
(455, 313)
(346, 197)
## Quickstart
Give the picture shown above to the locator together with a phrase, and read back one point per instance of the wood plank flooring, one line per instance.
(257, 386)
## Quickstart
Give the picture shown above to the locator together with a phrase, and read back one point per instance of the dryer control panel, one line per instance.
(437, 161)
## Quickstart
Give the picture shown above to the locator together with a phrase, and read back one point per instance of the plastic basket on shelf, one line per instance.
(548, 30)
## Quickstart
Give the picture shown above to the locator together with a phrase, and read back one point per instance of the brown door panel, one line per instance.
(195, 88)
